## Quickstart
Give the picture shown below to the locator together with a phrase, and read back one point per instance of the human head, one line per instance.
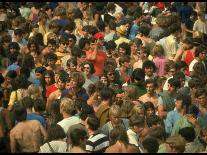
(77, 79)
(67, 106)
(200, 94)
(173, 85)
(200, 52)
(72, 64)
(55, 132)
(176, 144)
(124, 49)
(137, 123)
(149, 108)
(20, 112)
(115, 114)
(150, 86)
(138, 76)
(125, 61)
(149, 67)
(107, 94)
(78, 137)
(109, 72)
(92, 123)
(182, 102)
(139, 110)
(118, 133)
(150, 144)
(88, 68)
(154, 121)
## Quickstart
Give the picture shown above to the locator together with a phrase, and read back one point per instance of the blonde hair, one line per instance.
(177, 142)
(34, 92)
(136, 109)
(115, 110)
(67, 105)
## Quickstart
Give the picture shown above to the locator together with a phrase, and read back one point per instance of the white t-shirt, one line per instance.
(192, 64)
(68, 122)
(57, 145)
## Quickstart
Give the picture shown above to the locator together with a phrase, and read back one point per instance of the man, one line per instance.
(68, 111)
(61, 83)
(200, 55)
(151, 94)
(166, 101)
(97, 142)
(121, 32)
(32, 129)
(149, 69)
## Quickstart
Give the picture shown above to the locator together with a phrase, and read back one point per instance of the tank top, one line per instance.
(188, 59)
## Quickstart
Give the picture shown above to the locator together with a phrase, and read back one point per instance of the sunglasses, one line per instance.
(64, 43)
(110, 74)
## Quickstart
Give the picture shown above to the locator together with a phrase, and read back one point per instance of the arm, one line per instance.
(178, 55)
(12, 143)
(161, 111)
(12, 100)
(168, 124)
(43, 132)
(93, 55)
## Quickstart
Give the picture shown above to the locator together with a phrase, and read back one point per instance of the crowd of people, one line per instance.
(113, 77)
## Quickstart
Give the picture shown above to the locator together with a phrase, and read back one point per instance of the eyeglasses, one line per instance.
(203, 53)
(86, 67)
(110, 74)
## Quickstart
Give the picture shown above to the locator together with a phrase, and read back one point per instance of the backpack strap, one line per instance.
(51, 149)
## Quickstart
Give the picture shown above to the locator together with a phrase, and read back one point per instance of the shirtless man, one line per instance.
(151, 94)
(61, 83)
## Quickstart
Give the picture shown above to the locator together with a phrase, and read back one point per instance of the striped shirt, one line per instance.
(97, 143)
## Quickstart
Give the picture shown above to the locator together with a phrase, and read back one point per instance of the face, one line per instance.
(8, 79)
(178, 104)
(150, 88)
(202, 55)
(38, 75)
(36, 29)
(148, 71)
(138, 129)
(104, 80)
(134, 49)
(86, 69)
(51, 62)
(172, 72)
(149, 112)
(202, 100)
(171, 89)
(73, 83)
(61, 85)
(122, 51)
(32, 47)
(72, 67)
(115, 120)
(48, 79)
(64, 45)
(127, 64)
(71, 43)
(111, 76)
(100, 41)
(51, 47)
(141, 54)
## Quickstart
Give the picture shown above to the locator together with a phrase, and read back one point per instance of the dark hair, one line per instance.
(110, 45)
(200, 92)
(199, 49)
(92, 69)
(20, 112)
(27, 102)
(18, 32)
(55, 132)
(126, 47)
(123, 59)
(174, 82)
(153, 120)
(51, 56)
(11, 74)
(55, 111)
(194, 82)
(193, 109)
(107, 93)
(85, 111)
(150, 144)
(20, 82)
(111, 6)
(72, 60)
(83, 42)
(40, 70)
(39, 105)
(25, 71)
(14, 45)
(136, 120)
(148, 105)
(118, 133)
(93, 122)
(112, 24)
(51, 41)
(180, 65)
(158, 132)
(186, 100)
(179, 75)
(144, 29)
(76, 52)
(188, 133)
(77, 136)
(28, 61)
(138, 74)
(148, 64)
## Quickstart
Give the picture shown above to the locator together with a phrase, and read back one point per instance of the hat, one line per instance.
(98, 35)
(121, 29)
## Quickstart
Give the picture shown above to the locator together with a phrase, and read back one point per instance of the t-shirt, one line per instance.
(33, 116)
(50, 89)
(98, 62)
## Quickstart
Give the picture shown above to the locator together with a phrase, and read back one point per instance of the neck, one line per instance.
(123, 69)
(66, 115)
(91, 132)
(29, 110)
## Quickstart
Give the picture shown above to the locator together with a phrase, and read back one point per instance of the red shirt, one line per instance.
(98, 62)
(188, 59)
(50, 89)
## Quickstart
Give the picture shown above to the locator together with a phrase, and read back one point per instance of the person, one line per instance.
(166, 101)
(200, 24)
(78, 141)
(115, 120)
(181, 107)
(67, 109)
(151, 95)
(55, 142)
(136, 126)
(149, 69)
(97, 142)
(102, 112)
(150, 145)
(121, 32)
(119, 142)
(176, 144)
(18, 134)
(149, 109)
(191, 146)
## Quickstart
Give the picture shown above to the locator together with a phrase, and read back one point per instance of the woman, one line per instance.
(78, 139)
(20, 91)
(55, 142)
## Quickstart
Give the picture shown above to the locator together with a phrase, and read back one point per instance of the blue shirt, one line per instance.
(172, 117)
(133, 31)
(33, 116)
